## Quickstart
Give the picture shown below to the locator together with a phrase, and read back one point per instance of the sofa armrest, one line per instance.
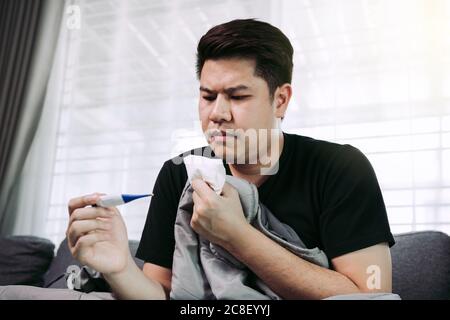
(24, 260)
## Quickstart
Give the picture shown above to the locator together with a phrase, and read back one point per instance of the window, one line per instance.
(374, 73)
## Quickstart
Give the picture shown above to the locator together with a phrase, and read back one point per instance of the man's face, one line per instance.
(232, 97)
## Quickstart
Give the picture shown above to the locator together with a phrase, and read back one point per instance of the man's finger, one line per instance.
(83, 201)
(196, 198)
(82, 227)
(88, 240)
(198, 202)
(228, 190)
(203, 189)
(89, 213)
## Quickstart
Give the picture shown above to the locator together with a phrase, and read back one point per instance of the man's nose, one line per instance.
(221, 110)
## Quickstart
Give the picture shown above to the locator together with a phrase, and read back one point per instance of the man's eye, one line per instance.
(239, 97)
(209, 98)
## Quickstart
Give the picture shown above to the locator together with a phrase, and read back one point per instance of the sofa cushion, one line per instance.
(55, 277)
(421, 265)
(18, 292)
(24, 260)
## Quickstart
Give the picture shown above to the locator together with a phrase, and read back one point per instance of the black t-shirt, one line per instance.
(327, 192)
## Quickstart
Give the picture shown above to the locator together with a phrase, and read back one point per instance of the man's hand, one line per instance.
(217, 218)
(97, 236)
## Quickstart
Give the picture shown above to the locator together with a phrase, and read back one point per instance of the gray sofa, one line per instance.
(421, 267)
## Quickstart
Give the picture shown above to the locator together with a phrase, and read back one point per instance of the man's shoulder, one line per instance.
(323, 147)
(325, 153)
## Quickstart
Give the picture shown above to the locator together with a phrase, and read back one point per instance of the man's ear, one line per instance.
(281, 99)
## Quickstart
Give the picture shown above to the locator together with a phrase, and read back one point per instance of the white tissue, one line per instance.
(209, 170)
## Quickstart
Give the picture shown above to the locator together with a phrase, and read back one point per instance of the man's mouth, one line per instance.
(221, 135)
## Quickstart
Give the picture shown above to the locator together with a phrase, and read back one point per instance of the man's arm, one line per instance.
(369, 268)
(294, 278)
(153, 282)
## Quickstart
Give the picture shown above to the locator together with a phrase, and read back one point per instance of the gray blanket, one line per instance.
(202, 270)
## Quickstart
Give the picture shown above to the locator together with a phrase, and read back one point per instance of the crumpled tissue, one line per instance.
(210, 170)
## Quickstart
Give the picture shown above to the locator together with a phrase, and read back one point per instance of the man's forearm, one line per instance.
(286, 274)
(133, 284)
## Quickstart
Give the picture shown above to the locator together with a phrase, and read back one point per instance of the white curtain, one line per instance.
(371, 73)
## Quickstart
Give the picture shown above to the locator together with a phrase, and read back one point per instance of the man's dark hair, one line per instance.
(250, 39)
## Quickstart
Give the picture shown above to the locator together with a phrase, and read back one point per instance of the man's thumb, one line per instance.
(227, 190)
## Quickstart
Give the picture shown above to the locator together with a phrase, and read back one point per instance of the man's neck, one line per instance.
(252, 172)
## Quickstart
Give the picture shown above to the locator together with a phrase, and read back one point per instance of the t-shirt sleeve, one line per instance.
(354, 214)
(157, 242)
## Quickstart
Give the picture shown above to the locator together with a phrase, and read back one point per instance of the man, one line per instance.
(328, 193)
